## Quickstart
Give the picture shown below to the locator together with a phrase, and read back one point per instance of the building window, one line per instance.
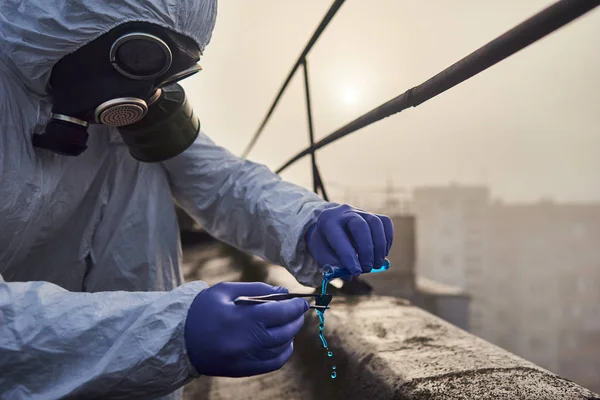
(473, 244)
(536, 344)
(446, 231)
(447, 261)
(582, 283)
(474, 232)
(579, 231)
(473, 260)
(445, 204)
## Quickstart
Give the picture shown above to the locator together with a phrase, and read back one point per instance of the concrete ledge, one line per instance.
(384, 348)
(283, 384)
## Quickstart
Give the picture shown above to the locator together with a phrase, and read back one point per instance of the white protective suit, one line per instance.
(92, 303)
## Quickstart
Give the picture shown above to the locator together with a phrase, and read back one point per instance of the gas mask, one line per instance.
(127, 79)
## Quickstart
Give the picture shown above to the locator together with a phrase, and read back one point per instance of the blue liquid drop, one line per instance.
(333, 367)
(333, 375)
(329, 353)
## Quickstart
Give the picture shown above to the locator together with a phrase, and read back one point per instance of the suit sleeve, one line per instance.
(59, 344)
(247, 206)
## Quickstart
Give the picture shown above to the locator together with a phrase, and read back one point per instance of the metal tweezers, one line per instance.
(322, 299)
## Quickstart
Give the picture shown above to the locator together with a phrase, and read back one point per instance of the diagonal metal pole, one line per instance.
(311, 135)
(322, 186)
(326, 19)
(521, 36)
(317, 181)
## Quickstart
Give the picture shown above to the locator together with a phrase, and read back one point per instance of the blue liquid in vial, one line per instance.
(332, 272)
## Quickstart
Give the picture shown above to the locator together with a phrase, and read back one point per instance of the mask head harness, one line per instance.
(120, 79)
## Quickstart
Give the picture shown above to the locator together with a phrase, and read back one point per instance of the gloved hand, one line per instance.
(224, 339)
(341, 233)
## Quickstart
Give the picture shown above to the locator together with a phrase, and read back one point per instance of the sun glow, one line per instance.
(349, 96)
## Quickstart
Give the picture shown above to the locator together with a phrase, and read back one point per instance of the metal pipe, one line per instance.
(311, 135)
(521, 36)
(317, 181)
(328, 17)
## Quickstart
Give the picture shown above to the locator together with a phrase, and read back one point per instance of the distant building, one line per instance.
(399, 280)
(452, 240)
(544, 261)
(532, 270)
(447, 302)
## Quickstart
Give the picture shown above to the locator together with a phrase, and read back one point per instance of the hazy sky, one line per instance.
(528, 127)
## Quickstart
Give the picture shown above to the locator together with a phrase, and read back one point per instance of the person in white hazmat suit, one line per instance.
(96, 140)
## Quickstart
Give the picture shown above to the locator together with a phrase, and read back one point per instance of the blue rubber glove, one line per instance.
(224, 339)
(350, 238)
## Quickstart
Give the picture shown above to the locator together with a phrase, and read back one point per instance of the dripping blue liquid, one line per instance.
(329, 273)
(321, 313)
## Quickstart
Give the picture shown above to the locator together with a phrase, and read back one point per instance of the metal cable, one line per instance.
(521, 36)
(326, 19)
